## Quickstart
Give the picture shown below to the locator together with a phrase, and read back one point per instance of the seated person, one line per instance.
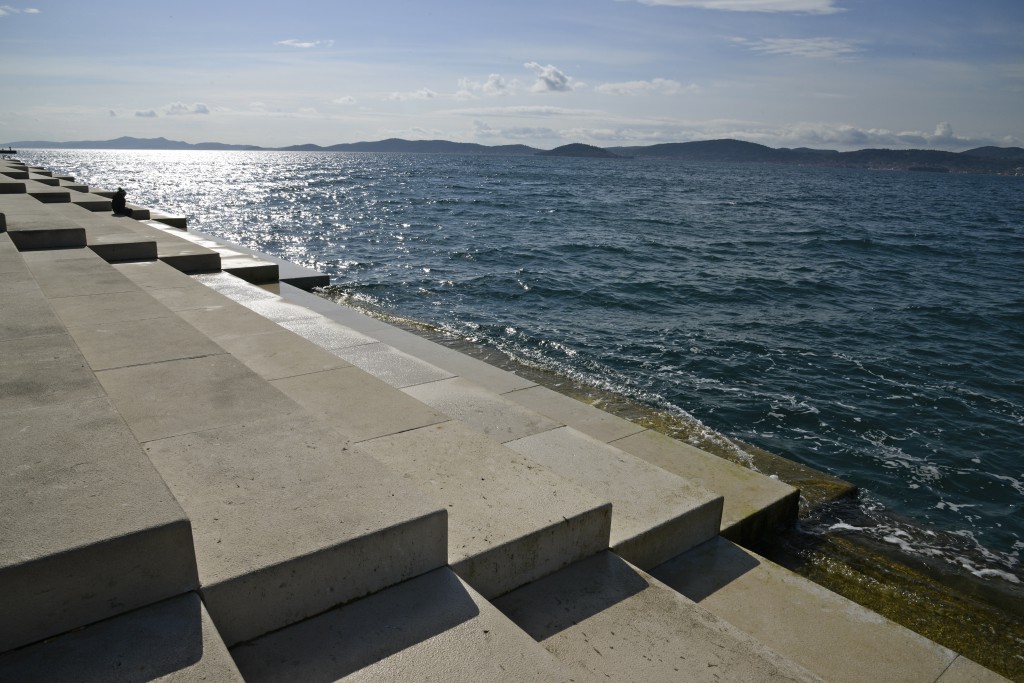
(118, 203)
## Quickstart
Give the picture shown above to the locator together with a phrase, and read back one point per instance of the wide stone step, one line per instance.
(287, 519)
(818, 629)
(657, 515)
(509, 520)
(431, 628)
(606, 619)
(32, 226)
(174, 640)
(90, 528)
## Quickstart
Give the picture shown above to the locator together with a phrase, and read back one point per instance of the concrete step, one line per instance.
(510, 521)
(88, 200)
(431, 628)
(755, 505)
(31, 226)
(657, 515)
(820, 630)
(112, 237)
(9, 185)
(182, 254)
(174, 640)
(250, 265)
(45, 191)
(90, 528)
(501, 534)
(288, 520)
(606, 619)
(178, 222)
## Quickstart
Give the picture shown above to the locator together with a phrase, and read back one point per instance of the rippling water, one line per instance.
(869, 324)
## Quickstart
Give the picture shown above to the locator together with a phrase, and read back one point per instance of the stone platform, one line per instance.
(210, 473)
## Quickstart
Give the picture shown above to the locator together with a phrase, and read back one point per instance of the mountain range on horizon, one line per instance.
(990, 159)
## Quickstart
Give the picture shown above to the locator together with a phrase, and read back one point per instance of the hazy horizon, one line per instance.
(826, 74)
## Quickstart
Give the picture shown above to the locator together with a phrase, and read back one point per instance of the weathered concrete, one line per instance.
(580, 416)
(290, 521)
(432, 628)
(90, 530)
(509, 521)
(608, 620)
(391, 365)
(657, 514)
(810, 625)
(489, 413)
(360, 405)
(172, 641)
(755, 505)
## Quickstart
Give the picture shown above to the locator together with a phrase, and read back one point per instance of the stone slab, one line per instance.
(276, 355)
(810, 625)
(24, 311)
(395, 367)
(509, 521)
(154, 275)
(75, 272)
(127, 343)
(580, 416)
(293, 273)
(754, 504)
(490, 414)
(431, 628)
(49, 369)
(90, 530)
(325, 332)
(173, 641)
(657, 515)
(176, 397)
(97, 309)
(227, 320)
(249, 268)
(477, 371)
(357, 403)
(345, 315)
(290, 521)
(608, 620)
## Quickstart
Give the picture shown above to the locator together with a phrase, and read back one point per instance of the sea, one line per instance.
(867, 323)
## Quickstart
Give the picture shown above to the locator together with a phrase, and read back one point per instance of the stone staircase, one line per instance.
(208, 479)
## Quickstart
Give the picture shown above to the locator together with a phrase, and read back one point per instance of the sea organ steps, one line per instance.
(167, 286)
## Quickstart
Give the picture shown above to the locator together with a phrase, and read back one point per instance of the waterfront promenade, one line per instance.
(210, 473)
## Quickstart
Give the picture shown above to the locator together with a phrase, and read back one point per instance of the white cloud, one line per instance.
(662, 86)
(812, 48)
(549, 78)
(791, 6)
(6, 10)
(346, 100)
(527, 111)
(147, 114)
(421, 94)
(494, 86)
(305, 44)
(182, 109)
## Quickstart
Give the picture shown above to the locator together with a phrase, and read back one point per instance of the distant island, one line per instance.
(999, 160)
(580, 150)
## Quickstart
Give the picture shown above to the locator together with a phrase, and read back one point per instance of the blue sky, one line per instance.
(840, 74)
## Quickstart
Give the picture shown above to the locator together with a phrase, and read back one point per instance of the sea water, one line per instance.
(866, 323)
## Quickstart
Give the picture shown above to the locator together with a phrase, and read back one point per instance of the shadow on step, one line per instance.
(573, 595)
(344, 640)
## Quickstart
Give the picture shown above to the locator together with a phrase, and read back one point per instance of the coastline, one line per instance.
(966, 613)
(820, 502)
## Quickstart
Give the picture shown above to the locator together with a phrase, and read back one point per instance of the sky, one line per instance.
(828, 74)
